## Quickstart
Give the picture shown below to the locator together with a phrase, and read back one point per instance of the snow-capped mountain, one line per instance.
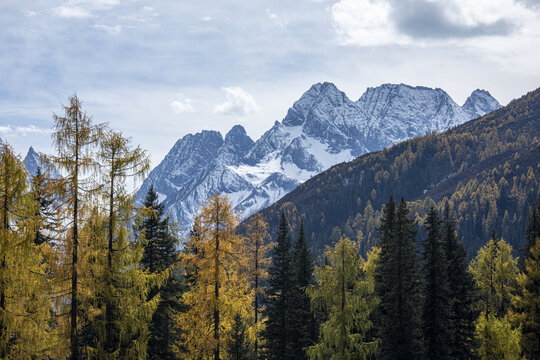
(323, 128)
(33, 161)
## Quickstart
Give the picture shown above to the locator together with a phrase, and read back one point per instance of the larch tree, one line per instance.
(344, 291)
(160, 254)
(463, 295)
(126, 309)
(398, 286)
(24, 295)
(526, 304)
(279, 295)
(436, 309)
(258, 247)
(494, 270)
(75, 138)
(221, 289)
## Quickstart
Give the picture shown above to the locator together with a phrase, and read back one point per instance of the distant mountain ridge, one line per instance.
(487, 171)
(323, 128)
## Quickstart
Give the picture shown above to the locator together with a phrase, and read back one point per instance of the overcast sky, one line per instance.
(158, 70)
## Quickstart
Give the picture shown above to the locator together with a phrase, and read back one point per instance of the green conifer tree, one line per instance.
(463, 295)
(279, 295)
(436, 309)
(160, 254)
(237, 344)
(303, 325)
(398, 286)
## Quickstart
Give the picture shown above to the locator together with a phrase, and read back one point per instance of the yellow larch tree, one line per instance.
(121, 285)
(220, 289)
(258, 245)
(24, 302)
(75, 138)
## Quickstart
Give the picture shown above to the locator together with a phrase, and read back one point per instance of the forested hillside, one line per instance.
(487, 171)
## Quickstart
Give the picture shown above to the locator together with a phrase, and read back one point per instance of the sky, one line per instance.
(157, 70)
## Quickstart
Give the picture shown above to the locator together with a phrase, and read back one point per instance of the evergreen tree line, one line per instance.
(399, 302)
(86, 274)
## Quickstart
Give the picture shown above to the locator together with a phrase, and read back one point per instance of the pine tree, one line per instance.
(463, 296)
(398, 286)
(279, 296)
(437, 306)
(221, 289)
(24, 302)
(303, 324)
(74, 136)
(258, 249)
(160, 254)
(345, 292)
(237, 345)
(526, 304)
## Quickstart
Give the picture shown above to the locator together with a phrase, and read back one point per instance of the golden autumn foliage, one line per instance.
(220, 287)
(24, 304)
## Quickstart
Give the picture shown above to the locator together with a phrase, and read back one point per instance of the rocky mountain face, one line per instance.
(33, 161)
(323, 128)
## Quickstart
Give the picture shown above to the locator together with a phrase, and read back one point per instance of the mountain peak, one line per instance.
(319, 94)
(479, 103)
(238, 140)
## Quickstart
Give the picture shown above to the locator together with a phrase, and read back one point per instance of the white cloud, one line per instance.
(112, 30)
(375, 22)
(182, 105)
(206, 18)
(72, 12)
(11, 131)
(364, 23)
(81, 9)
(239, 103)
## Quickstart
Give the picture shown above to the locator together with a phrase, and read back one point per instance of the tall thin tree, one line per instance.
(75, 137)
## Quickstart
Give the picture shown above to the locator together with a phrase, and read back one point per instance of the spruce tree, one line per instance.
(436, 309)
(398, 286)
(462, 293)
(237, 345)
(279, 295)
(303, 324)
(160, 254)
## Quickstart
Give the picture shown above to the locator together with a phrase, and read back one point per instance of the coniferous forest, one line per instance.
(359, 273)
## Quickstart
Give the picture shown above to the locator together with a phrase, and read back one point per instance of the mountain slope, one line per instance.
(487, 171)
(323, 128)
